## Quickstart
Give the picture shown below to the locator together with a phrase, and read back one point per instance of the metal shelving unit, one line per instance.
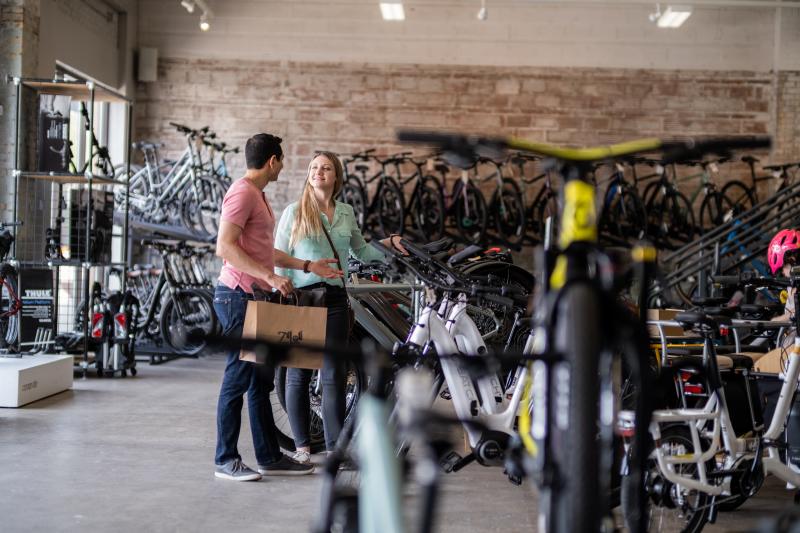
(90, 92)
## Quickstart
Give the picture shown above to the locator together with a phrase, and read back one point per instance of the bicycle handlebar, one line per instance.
(751, 278)
(471, 146)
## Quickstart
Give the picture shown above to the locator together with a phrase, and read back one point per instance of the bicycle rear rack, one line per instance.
(738, 241)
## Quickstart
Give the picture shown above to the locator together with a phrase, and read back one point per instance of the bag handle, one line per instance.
(261, 294)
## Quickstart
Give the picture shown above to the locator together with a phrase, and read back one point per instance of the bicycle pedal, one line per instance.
(449, 461)
(513, 478)
(445, 394)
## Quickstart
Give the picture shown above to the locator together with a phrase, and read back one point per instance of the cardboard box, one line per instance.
(770, 362)
(664, 314)
(32, 377)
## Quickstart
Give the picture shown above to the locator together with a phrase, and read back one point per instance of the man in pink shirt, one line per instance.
(245, 243)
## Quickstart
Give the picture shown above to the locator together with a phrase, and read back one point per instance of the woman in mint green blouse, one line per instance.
(300, 234)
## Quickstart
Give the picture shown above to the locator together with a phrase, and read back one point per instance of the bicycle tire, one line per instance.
(9, 325)
(670, 219)
(678, 435)
(174, 328)
(509, 213)
(355, 385)
(623, 216)
(711, 211)
(427, 213)
(391, 207)
(548, 208)
(353, 195)
(738, 197)
(574, 439)
(470, 214)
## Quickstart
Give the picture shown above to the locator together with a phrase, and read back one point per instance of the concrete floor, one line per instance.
(136, 454)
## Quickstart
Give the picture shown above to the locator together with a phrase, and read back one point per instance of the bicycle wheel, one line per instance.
(624, 215)
(712, 211)
(428, 211)
(9, 315)
(354, 383)
(574, 431)
(671, 507)
(738, 197)
(509, 213)
(670, 220)
(470, 214)
(548, 210)
(391, 207)
(191, 313)
(353, 195)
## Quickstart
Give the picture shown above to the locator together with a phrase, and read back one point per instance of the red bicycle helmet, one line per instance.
(782, 242)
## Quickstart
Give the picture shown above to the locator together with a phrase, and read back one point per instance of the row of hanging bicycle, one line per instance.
(500, 201)
(186, 192)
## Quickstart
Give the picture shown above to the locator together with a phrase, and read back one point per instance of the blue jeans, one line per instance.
(331, 376)
(242, 377)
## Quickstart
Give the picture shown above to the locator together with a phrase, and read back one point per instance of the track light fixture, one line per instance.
(483, 13)
(205, 25)
(671, 17)
(188, 5)
(206, 14)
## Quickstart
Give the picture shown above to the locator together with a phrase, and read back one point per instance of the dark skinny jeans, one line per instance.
(332, 378)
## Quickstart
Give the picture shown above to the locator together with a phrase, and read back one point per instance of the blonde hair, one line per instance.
(308, 217)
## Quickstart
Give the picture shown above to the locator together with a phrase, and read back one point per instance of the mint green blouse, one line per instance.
(346, 237)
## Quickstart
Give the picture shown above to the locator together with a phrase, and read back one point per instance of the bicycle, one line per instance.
(670, 218)
(463, 204)
(425, 206)
(542, 212)
(577, 296)
(387, 203)
(506, 208)
(622, 214)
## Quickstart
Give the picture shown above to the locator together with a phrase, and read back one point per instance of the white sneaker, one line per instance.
(302, 457)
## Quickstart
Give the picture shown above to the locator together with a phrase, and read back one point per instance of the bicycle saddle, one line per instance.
(361, 168)
(719, 311)
(708, 301)
(692, 319)
(435, 247)
(750, 159)
(469, 251)
(760, 310)
(442, 168)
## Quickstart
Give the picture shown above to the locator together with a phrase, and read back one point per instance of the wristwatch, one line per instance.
(305, 265)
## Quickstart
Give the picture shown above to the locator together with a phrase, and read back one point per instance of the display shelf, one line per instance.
(78, 90)
(67, 177)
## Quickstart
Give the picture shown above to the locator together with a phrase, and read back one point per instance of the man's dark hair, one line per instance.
(260, 148)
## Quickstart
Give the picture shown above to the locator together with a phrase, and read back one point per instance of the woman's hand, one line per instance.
(393, 242)
(320, 268)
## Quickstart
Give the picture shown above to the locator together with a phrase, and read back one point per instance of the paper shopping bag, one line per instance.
(286, 324)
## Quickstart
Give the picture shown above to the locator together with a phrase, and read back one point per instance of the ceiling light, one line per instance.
(392, 11)
(189, 5)
(673, 16)
(205, 25)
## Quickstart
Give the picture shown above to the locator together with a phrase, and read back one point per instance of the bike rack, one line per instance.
(739, 240)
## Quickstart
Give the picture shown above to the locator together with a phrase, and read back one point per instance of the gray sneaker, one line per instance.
(286, 466)
(236, 470)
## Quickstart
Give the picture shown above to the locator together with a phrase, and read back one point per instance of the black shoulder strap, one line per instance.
(333, 248)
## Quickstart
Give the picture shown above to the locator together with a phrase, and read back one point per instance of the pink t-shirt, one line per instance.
(247, 207)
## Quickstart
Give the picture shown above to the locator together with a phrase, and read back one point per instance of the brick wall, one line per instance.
(350, 107)
(787, 131)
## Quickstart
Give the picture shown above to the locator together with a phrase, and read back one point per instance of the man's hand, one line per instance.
(320, 268)
(284, 285)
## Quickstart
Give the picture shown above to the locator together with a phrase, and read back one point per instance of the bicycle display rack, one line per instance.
(68, 215)
(734, 245)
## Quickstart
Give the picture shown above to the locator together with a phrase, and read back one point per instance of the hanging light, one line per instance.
(188, 5)
(671, 17)
(483, 13)
(205, 25)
